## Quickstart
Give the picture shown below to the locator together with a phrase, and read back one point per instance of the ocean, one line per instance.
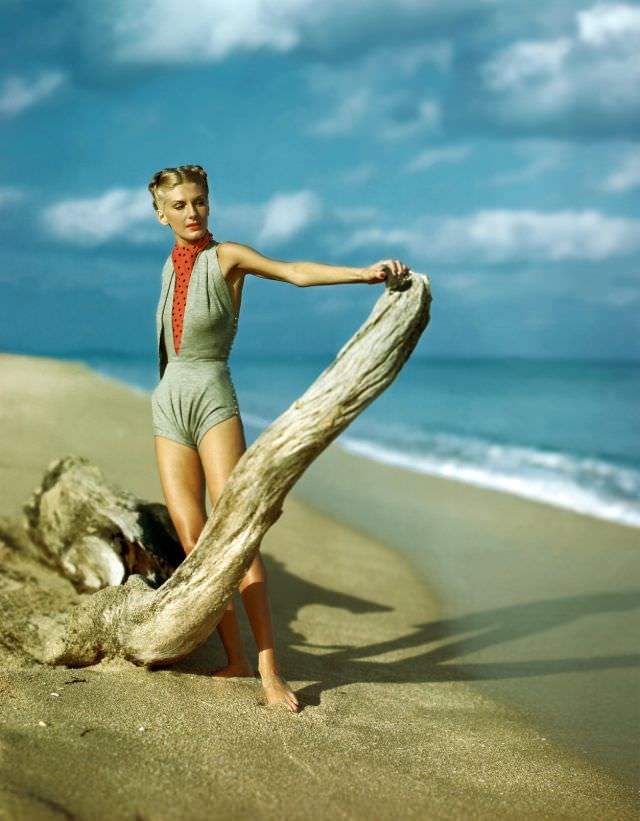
(562, 432)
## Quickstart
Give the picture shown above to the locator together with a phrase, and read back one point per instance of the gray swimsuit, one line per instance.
(195, 391)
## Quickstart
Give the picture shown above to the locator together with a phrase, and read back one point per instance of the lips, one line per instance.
(194, 225)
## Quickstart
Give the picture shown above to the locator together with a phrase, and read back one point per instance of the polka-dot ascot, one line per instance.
(184, 258)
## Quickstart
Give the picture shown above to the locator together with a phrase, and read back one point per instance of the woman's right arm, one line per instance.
(235, 257)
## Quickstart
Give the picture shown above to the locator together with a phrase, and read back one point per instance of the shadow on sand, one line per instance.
(453, 638)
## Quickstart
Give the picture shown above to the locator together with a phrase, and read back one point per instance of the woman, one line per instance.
(198, 431)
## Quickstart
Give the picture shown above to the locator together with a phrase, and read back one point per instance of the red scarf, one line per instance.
(184, 257)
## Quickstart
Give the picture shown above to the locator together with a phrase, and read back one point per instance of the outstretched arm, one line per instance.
(240, 257)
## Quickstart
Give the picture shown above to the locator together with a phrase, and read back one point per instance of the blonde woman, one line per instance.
(198, 430)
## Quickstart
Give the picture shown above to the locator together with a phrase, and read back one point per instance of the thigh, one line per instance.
(183, 484)
(220, 448)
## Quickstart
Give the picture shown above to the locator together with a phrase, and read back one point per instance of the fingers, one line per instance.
(396, 266)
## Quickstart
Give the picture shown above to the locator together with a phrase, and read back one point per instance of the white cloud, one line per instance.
(371, 111)
(286, 214)
(626, 176)
(607, 23)
(564, 235)
(529, 81)
(204, 30)
(17, 93)
(500, 236)
(524, 61)
(165, 32)
(125, 214)
(436, 156)
(372, 95)
(593, 73)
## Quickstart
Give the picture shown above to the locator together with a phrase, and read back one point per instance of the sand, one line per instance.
(386, 730)
(541, 605)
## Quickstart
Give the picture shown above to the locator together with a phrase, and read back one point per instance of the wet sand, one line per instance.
(541, 605)
(392, 725)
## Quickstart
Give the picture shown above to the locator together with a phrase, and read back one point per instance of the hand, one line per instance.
(377, 272)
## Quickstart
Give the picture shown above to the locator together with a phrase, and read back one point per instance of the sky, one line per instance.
(491, 144)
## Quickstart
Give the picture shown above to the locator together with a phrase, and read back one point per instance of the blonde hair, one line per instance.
(163, 181)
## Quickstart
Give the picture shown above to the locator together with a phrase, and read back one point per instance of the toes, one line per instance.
(293, 703)
(286, 699)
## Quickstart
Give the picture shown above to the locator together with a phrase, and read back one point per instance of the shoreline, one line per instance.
(555, 488)
(538, 601)
(485, 484)
(392, 724)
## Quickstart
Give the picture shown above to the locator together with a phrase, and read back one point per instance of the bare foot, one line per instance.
(236, 669)
(278, 691)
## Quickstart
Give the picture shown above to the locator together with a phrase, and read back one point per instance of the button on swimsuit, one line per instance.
(195, 391)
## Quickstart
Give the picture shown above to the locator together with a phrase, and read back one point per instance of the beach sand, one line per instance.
(541, 604)
(388, 729)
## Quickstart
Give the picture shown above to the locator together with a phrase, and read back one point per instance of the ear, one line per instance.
(161, 218)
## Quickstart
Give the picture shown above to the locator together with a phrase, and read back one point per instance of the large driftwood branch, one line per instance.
(160, 625)
(95, 534)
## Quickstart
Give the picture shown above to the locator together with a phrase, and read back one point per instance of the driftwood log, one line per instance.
(152, 605)
(96, 534)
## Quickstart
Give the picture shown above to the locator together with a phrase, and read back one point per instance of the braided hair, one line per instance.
(166, 179)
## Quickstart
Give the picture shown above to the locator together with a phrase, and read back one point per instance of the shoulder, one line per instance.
(238, 259)
(229, 250)
(230, 256)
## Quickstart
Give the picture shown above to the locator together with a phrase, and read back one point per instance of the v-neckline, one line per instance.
(186, 303)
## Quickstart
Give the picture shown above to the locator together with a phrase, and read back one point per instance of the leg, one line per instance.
(183, 484)
(220, 449)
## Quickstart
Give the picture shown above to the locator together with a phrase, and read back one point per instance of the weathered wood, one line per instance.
(159, 625)
(96, 534)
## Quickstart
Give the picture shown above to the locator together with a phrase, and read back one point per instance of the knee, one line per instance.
(188, 539)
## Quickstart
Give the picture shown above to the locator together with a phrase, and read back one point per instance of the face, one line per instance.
(185, 209)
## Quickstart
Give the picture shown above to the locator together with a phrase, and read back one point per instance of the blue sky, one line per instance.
(492, 145)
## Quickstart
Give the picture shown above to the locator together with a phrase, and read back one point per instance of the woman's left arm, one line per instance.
(242, 257)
